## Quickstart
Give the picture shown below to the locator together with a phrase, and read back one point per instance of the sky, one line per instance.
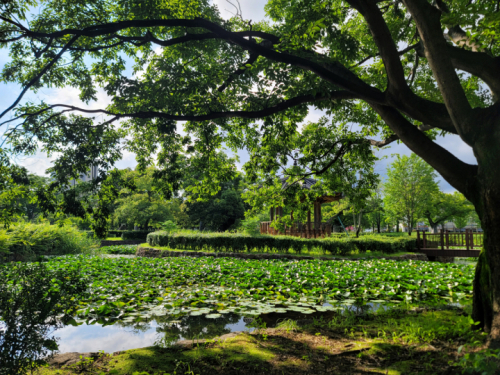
(251, 9)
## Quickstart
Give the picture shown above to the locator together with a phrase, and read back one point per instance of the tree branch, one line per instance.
(35, 79)
(453, 170)
(427, 19)
(385, 44)
(304, 99)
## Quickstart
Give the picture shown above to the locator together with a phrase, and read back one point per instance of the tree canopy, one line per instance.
(407, 70)
(409, 189)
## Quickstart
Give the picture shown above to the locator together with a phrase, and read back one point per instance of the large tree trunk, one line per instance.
(486, 303)
(486, 200)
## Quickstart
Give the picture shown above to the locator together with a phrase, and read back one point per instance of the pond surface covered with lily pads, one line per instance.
(136, 302)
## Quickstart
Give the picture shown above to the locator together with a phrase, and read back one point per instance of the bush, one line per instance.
(235, 242)
(34, 300)
(119, 249)
(168, 226)
(135, 235)
(32, 240)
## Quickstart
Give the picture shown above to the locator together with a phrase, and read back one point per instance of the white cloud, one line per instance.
(250, 9)
(92, 338)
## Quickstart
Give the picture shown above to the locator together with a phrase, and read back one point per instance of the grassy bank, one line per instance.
(392, 342)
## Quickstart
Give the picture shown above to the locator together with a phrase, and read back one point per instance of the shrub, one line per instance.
(31, 240)
(135, 235)
(119, 249)
(168, 226)
(34, 302)
(234, 242)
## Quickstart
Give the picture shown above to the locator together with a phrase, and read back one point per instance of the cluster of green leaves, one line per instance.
(32, 240)
(34, 300)
(485, 362)
(237, 242)
(130, 288)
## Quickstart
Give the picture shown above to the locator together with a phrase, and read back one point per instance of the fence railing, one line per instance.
(445, 240)
(298, 230)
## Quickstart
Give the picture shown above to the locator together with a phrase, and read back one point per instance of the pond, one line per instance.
(136, 302)
(166, 330)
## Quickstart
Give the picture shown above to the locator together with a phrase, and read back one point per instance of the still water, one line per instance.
(121, 336)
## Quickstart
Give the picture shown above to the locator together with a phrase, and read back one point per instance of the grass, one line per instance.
(391, 342)
(313, 253)
(113, 239)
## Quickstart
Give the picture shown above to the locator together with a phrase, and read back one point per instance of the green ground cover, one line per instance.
(28, 241)
(394, 342)
(132, 289)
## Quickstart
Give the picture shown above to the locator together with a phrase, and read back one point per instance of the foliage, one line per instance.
(135, 234)
(485, 362)
(408, 190)
(447, 207)
(119, 249)
(134, 288)
(140, 203)
(235, 242)
(31, 240)
(33, 298)
(13, 189)
(220, 212)
(168, 226)
(251, 225)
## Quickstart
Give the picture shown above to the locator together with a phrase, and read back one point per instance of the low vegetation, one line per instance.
(34, 300)
(131, 289)
(236, 242)
(25, 241)
(395, 342)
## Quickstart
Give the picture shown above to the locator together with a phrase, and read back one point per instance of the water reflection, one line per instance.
(163, 331)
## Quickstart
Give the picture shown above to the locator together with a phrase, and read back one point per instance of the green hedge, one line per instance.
(135, 234)
(240, 242)
(30, 240)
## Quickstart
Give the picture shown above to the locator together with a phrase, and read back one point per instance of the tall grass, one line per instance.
(26, 240)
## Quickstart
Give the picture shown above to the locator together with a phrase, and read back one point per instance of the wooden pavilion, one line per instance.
(312, 229)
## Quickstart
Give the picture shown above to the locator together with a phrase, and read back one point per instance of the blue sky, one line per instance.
(251, 9)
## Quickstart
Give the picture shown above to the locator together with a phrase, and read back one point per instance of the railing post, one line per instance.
(467, 239)
(442, 239)
(425, 241)
(447, 239)
(472, 240)
(418, 239)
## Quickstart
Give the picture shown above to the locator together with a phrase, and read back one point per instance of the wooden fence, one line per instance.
(446, 243)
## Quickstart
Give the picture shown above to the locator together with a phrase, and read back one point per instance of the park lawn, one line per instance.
(113, 239)
(316, 254)
(392, 342)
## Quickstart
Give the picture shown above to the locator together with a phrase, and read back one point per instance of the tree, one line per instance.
(446, 207)
(386, 66)
(141, 206)
(375, 209)
(220, 212)
(409, 187)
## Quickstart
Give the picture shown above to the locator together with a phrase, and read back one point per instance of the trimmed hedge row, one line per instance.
(135, 234)
(125, 234)
(230, 242)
